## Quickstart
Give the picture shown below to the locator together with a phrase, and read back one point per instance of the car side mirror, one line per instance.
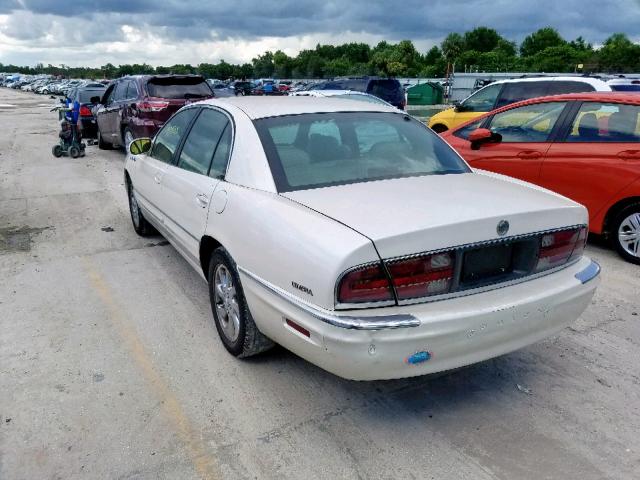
(483, 135)
(139, 146)
(94, 100)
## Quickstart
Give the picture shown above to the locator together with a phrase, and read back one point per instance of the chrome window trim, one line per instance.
(460, 293)
(377, 322)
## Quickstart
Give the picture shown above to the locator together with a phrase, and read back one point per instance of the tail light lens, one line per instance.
(578, 251)
(558, 247)
(368, 284)
(151, 106)
(85, 111)
(422, 276)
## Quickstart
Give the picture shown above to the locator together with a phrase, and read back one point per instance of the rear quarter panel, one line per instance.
(282, 242)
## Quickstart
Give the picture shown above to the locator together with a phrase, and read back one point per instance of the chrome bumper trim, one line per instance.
(589, 273)
(376, 322)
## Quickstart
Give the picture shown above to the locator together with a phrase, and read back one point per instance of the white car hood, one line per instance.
(418, 214)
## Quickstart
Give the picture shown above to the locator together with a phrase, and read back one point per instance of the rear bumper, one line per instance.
(88, 127)
(455, 332)
(144, 128)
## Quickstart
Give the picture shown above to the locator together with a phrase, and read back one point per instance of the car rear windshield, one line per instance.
(387, 88)
(84, 96)
(178, 88)
(326, 149)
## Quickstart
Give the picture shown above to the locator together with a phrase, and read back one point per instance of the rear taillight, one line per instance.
(557, 248)
(151, 106)
(422, 276)
(85, 111)
(578, 251)
(367, 284)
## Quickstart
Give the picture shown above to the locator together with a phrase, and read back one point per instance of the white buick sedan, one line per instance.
(355, 237)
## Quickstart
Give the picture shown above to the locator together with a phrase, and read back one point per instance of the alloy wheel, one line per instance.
(135, 210)
(226, 303)
(629, 234)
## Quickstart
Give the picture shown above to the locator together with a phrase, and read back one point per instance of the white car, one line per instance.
(355, 237)
(344, 94)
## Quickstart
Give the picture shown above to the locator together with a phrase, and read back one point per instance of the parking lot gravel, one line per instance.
(110, 365)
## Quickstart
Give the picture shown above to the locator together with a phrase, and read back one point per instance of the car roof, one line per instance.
(263, 107)
(594, 82)
(615, 97)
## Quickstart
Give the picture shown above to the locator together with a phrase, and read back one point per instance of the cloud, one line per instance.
(93, 32)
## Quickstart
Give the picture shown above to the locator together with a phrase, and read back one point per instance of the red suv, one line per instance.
(137, 106)
(584, 146)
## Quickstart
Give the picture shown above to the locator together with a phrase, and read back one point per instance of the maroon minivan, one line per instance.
(138, 105)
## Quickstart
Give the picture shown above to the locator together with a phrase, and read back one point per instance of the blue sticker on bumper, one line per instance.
(418, 357)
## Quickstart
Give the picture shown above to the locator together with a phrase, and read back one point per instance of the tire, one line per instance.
(439, 128)
(102, 145)
(74, 152)
(235, 325)
(140, 224)
(625, 233)
(57, 151)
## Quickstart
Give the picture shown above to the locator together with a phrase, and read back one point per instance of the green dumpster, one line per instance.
(428, 93)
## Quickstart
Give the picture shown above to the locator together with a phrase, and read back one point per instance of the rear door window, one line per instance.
(168, 139)
(121, 92)
(132, 89)
(606, 122)
(518, 91)
(530, 123)
(200, 144)
(178, 88)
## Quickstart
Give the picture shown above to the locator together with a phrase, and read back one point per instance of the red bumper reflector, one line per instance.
(298, 328)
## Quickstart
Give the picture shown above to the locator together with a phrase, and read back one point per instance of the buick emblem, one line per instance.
(503, 228)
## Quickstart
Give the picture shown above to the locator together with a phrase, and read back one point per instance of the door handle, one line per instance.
(629, 155)
(529, 154)
(157, 178)
(202, 200)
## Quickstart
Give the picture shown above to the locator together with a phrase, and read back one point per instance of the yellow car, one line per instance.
(505, 92)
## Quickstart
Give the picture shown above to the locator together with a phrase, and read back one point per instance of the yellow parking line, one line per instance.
(206, 466)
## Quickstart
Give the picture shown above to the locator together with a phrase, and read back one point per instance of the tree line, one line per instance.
(482, 49)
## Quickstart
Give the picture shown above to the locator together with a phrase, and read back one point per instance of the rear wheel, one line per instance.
(626, 233)
(102, 145)
(232, 317)
(57, 151)
(74, 152)
(439, 128)
(140, 224)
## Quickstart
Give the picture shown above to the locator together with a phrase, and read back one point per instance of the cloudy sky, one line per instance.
(165, 32)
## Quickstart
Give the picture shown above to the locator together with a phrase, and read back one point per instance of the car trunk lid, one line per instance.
(420, 214)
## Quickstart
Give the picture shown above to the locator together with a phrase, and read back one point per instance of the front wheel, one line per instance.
(74, 152)
(626, 233)
(57, 151)
(232, 317)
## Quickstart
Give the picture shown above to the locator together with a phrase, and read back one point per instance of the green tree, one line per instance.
(481, 39)
(619, 54)
(452, 46)
(539, 40)
(263, 66)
